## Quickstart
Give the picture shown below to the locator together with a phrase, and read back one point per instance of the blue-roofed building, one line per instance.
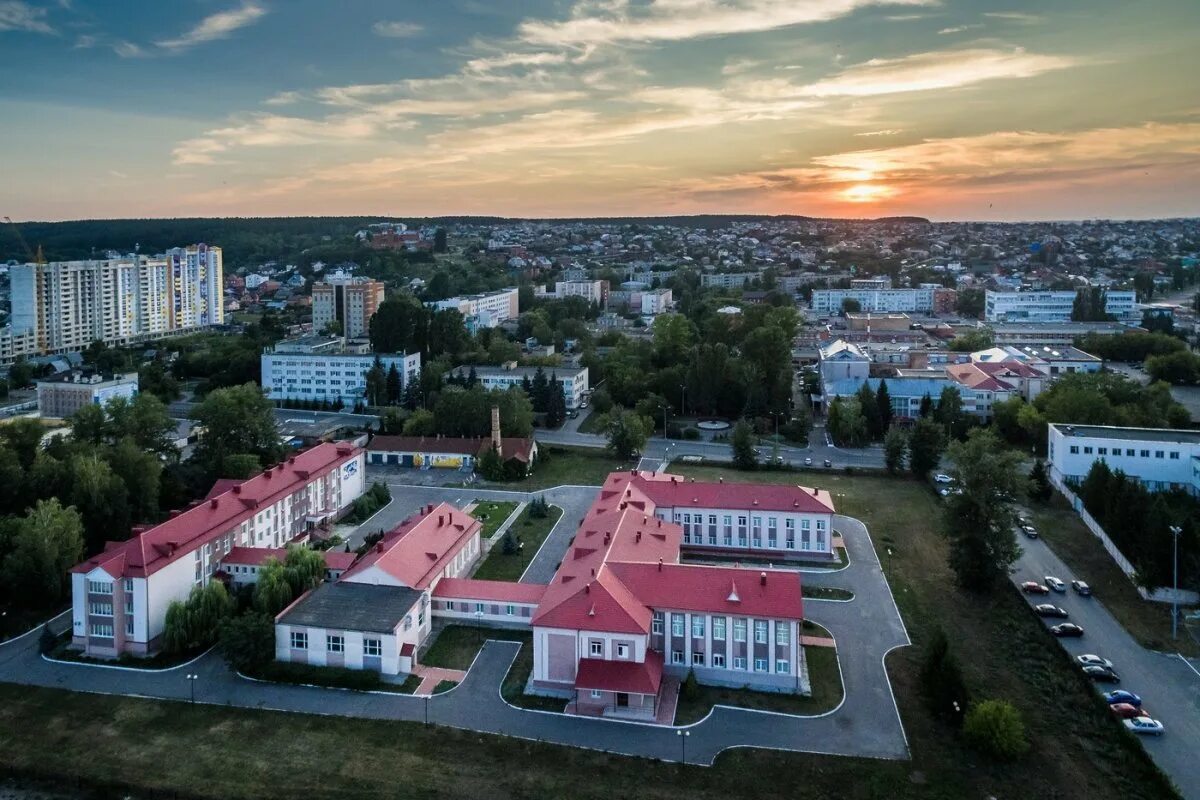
(905, 392)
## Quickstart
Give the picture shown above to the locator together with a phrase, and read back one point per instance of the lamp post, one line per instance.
(427, 711)
(683, 737)
(1175, 531)
(191, 679)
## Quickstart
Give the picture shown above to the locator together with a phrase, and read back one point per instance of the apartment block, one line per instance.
(1160, 458)
(574, 380)
(829, 301)
(1051, 306)
(61, 395)
(347, 300)
(325, 368)
(483, 310)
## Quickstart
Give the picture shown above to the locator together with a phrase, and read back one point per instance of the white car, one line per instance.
(1089, 660)
(808, 462)
(1144, 725)
(942, 477)
(1054, 583)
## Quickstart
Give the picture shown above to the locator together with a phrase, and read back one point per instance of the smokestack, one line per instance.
(496, 430)
(762, 579)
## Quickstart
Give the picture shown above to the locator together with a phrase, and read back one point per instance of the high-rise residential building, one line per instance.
(67, 305)
(348, 300)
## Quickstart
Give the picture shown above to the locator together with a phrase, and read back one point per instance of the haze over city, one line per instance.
(959, 109)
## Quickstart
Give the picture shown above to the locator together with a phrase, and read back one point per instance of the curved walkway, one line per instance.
(866, 724)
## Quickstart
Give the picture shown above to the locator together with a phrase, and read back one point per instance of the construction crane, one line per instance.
(34, 258)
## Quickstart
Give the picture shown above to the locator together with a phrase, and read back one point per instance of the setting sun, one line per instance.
(866, 193)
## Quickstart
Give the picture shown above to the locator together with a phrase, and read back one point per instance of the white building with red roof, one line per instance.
(120, 596)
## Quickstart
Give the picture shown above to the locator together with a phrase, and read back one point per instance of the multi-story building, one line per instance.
(841, 360)
(1160, 458)
(655, 301)
(62, 395)
(120, 596)
(830, 301)
(1041, 334)
(346, 300)
(68, 305)
(483, 310)
(574, 380)
(326, 368)
(1051, 306)
(592, 291)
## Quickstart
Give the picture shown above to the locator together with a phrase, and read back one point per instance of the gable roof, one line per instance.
(721, 590)
(673, 491)
(496, 591)
(511, 446)
(417, 549)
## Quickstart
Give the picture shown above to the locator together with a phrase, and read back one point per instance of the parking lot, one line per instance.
(1168, 684)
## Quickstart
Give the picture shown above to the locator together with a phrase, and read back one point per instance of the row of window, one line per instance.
(782, 665)
(337, 644)
(694, 530)
(678, 622)
(1130, 452)
(104, 630)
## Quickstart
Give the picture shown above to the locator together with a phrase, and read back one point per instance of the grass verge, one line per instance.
(444, 686)
(530, 532)
(560, 466)
(62, 651)
(825, 592)
(457, 645)
(333, 677)
(492, 514)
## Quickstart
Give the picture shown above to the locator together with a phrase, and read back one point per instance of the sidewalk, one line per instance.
(432, 676)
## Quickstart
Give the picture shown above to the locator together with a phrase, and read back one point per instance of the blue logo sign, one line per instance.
(350, 469)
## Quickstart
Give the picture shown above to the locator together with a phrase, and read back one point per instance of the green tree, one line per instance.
(421, 423)
(925, 445)
(13, 495)
(883, 400)
(490, 465)
(627, 433)
(980, 521)
(1039, 482)
(1180, 368)
(273, 591)
(236, 420)
(845, 423)
(101, 498)
(995, 727)
(742, 442)
(869, 406)
(926, 406)
(851, 306)
(941, 679)
(196, 622)
(393, 385)
(305, 568)
(970, 303)
(376, 383)
(400, 325)
(439, 240)
(41, 547)
(247, 642)
(21, 373)
(24, 436)
(141, 473)
(895, 443)
(977, 339)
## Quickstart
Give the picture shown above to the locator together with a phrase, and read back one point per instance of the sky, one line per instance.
(949, 109)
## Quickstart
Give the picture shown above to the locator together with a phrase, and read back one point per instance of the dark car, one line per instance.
(1101, 674)
(1081, 588)
(1033, 587)
(1049, 610)
(1122, 696)
(1067, 629)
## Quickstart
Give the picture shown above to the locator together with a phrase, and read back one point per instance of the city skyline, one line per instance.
(958, 109)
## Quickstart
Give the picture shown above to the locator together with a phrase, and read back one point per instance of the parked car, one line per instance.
(1125, 710)
(1067, 630)
(1145, 726)
(1123, 696)
(1029, 531)
(1081, 588)
(942, 477)
(1101, 674)
(828, 463)
(583, 404)
(1055, 584)
(1050, 610)
(1092, 660)
(808, 462)
(1033, 587)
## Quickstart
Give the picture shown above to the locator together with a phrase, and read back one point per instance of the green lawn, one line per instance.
(457, 645)
(530, 532)
(825, 592)
(492, 514)
(593, 423)
(1149, 623)
(579, 466)
(824, 676)
(444, 686)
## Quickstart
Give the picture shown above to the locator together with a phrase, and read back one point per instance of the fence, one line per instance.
(1160, 595)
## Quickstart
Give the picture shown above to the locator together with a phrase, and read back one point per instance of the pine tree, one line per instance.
(393, 385)
(926, 406)
(869, 407)
(884, 401)
(1039, 483)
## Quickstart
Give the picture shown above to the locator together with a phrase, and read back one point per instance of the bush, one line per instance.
(691, 434)
(691, 687)
(995, 727)
(941, 679)
(248, 642)
(337, 677)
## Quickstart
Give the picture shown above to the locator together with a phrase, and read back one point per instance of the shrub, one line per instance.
(337, 677)
(941, 679)
(995, 727)
(691, 687)
(691, 434)
(248, 642)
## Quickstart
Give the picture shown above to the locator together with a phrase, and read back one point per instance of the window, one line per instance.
(1075, 449)
(1087, 451)
(299, 640)
(739, 630)
(1102, 451)
(510, 611)
(772, 532)
(408, 622)
(372, 647)
(760, 665)
(739, 662)
(335, 644)
(756, 531)
(741, 531)
(712, 528)
(102, 629)
(1129, 452)
(760, 631)
(1145, 454)
(728, 533)
(129, 584)
(698, 627)
(805, 537)
(677, 624)
(718, 627)
(129, 627)
(782, 666)
(596, 648)
(698, 659)
(781, 633)
(676, 656)
(1174, 455)
(99, 587)
(100, 609)
(597, 694)
(479, 608)
(1158, 453)
(656, 623)
(622, 651)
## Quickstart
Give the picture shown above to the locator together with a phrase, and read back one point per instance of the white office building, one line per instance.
(919, 301)
(574, 380)
(1050, 306)
(1160, 458)
(320, 368)
(482, 310)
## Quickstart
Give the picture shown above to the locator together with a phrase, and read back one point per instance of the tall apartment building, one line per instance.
(829, 301)
(483, 310)
(1051, 306)
(348, 300)
(67, 305)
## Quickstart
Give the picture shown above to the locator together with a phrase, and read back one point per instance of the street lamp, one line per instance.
(191, 679)
(1175, 531)
(683, 737)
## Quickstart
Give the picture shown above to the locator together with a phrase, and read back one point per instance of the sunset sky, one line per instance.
(951, 109)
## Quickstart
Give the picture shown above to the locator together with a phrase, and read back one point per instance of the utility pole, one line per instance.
(1175, 531)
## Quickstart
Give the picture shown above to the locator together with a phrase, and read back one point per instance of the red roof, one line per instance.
(728, 590)
(151, 550)
(672, 491)
(257, 556)
(419, 548)
(497, 591)
(633, 677)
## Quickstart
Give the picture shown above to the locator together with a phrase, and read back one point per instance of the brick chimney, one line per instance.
(496, 431)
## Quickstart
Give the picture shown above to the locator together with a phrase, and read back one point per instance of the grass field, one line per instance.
(593, 423)
(824, 676)
(561, 466)
(530, 532)
(492, 514)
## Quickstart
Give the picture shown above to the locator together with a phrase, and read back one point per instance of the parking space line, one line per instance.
(1189, 664)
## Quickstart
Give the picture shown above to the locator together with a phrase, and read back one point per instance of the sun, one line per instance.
(866, 193)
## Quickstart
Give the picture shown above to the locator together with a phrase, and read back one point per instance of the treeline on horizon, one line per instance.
(247, 238)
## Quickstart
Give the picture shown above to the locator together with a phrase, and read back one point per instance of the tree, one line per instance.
(949, 412)
(273, 591)
(995, 727)
(100, 497)
(304, 568)
(21, 373)
(1039, 483)
(869, 407)
(850, 305)
(979, 520)
(925, 445)
(376, 391)
(439, 240)
(926, 406)
(969, 342)
(742, 441)
(627, 433)
(196, 622)
(247, 642)
(421, 423)
(884, 401)
(846, 424)
(24, 436)
(393, 385)
(1179, 368)
(970, 303)
(236, 420)
(941, 679)
(400, 325)
(41, 547)
(141, 473)
(690, 690)
(894, 445)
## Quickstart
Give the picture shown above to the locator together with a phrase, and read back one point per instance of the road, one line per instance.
(1168, 684)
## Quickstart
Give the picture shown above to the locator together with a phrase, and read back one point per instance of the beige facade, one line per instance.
(350, 301)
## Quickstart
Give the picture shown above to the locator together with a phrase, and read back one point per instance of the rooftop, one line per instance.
(633, 677)
(419, 547)
(524, 372)
(497, 591)
(1166, 435)
(352, 607)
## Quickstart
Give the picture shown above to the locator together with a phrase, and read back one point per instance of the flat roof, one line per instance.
(352, 607)
(1174, 435)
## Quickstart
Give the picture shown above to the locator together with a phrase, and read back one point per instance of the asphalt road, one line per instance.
(1168, 684)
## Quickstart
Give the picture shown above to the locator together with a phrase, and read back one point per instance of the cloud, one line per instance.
(958, 29)
(509, 60)
(216, 26)
(616, 21)
(884, 132)
(1015, 16)
(397, 30)
(16, 15)
(270, 130)
(945, 69)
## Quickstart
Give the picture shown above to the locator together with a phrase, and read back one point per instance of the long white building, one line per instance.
(574, 381)
(1160, 458)
(829, 301)
(324, 369)
(1050, 306)
(483, 310)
